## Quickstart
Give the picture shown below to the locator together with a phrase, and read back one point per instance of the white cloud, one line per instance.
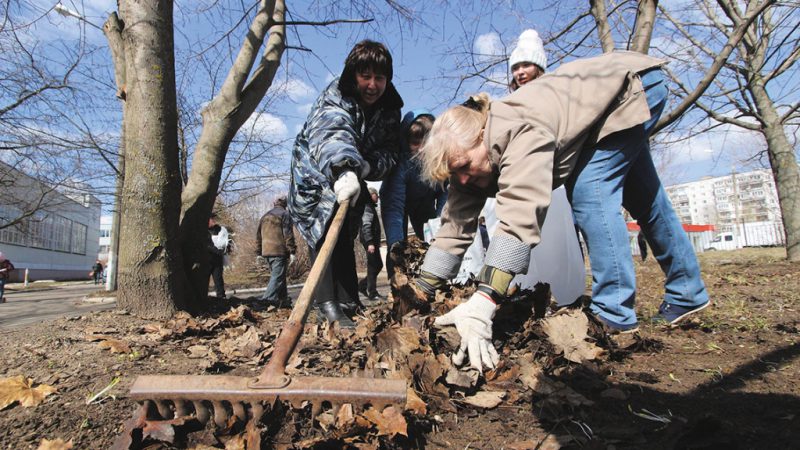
(295, 89)
(266, 125)
(489, 46)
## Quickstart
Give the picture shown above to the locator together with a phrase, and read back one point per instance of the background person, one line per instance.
(350, 135)
(537, 138)
(371, 240)
(405, 197)
(5, 271)
(528, 60)
(275, 242)
(97, 272)
(217, 244)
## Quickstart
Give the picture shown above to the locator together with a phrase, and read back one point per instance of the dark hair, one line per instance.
(420, 127)
(364, 56)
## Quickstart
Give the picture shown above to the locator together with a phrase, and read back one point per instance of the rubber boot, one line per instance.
(333, 312)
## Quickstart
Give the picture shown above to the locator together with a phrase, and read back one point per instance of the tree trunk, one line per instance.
(239, 96)
(151, 282)
(784, 167)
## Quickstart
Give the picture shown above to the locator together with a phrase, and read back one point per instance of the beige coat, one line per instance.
(534, 137)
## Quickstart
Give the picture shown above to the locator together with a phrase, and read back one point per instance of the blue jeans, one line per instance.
(618, 172)
(276, 289)
(2, 287)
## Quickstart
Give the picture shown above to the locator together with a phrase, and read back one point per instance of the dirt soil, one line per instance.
(727, 379)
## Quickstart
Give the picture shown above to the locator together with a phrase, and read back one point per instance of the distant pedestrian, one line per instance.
(371, 240)
(217, 245)
(484, 232)
(5, 271)
(275, 242)
(97, 272)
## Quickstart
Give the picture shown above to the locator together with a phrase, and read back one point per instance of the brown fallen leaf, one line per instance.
(20, 389)
(236, 442)
(399, 341)
(414, 403)
(345, 417)
(485, 399)
(115, 345)
(56, 444)
(198, 351)
(568, 333)
(390, 421)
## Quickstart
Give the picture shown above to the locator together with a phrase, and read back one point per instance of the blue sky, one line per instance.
(428, 56)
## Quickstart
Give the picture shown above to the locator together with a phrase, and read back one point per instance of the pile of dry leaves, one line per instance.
(394, 339)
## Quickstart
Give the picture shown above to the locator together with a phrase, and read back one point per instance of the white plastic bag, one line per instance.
(557, 259)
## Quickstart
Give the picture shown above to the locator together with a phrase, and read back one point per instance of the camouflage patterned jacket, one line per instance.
(338, 137)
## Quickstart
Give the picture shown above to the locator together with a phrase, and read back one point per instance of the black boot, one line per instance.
(333, 312)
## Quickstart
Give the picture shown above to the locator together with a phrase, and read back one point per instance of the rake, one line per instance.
(223, 397)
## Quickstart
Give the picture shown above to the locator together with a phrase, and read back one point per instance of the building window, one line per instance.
(78, 238)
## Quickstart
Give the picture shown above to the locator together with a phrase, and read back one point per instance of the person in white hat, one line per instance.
(528, 60)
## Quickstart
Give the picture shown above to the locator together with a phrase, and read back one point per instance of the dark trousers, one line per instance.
(216, 274)
(339, 281)
(276, 289)
(374, 266)
(98, 277)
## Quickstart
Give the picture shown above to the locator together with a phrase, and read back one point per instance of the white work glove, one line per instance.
(260, 260)
(347, 188)
(473, 321)
(291, 259)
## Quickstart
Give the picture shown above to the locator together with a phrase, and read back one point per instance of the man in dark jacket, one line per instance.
(275, 242)
(371, 240)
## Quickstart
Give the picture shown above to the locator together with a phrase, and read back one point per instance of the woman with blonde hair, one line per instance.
(585, 126)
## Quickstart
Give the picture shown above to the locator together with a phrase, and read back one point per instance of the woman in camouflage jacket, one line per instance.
(351, 132)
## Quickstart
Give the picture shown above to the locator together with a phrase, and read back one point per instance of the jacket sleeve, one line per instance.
(459, 224)
(366, 225)
(524, 193)
(393, 195)
(288, 233)
(332, 140)
(258, 235)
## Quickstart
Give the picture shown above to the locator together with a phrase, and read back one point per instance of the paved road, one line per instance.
(22, 308)
(67, 299)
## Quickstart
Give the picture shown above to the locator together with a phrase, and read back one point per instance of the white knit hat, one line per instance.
(529, 49)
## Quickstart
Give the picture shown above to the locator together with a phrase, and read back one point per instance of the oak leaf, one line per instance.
(486, 399)
(390, 421)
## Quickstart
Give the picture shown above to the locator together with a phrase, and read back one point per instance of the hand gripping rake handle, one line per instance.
(274, 374)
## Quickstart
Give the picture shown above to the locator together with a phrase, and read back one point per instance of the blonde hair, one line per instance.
(455, 131)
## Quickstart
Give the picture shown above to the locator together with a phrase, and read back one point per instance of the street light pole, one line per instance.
(113, 253)
(66, 12)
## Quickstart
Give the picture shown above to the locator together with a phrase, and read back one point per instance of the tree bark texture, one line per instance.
(151, 281)
(784, 166)
(238, 98)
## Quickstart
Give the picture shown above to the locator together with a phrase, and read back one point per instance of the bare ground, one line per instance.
(727, 379)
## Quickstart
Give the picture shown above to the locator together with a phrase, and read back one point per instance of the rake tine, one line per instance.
(257, 410)
(238, 411)
(316, 409)
(220, 414)
(163, 409)
(180, 408)
(201, 412)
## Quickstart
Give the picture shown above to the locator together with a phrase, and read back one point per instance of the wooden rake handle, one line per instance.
(274, 374)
